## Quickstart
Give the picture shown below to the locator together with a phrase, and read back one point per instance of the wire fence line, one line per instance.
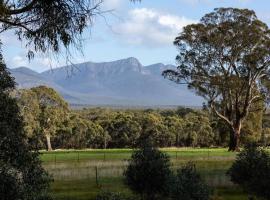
(103, 165)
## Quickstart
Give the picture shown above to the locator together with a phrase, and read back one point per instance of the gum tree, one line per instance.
(225, 59)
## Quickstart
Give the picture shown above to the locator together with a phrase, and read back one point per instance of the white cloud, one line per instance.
(39, 63)
(18, 61)
(150, 27)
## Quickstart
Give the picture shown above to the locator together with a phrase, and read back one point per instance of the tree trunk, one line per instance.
(49, 146)
(234, 139)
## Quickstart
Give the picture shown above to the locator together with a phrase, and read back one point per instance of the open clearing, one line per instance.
(80, 175)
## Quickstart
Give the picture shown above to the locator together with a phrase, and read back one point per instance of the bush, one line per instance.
(251, 171)
(188, 185)
(111, 196)
(148, 173)
(9, 179)
(21, 173)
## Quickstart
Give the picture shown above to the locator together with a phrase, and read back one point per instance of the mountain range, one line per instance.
(123, 82)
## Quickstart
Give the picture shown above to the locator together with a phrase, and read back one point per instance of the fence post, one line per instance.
(96, 176)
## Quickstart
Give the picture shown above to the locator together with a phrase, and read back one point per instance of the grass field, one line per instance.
(80, 175)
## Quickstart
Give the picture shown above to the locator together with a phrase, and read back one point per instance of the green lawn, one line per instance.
(74, 172)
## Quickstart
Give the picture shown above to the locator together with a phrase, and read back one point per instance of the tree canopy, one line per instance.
(225, 58)
(44, 111)
(21, 173)
(48, 25)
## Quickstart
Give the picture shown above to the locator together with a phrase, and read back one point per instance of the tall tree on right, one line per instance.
(225, 59)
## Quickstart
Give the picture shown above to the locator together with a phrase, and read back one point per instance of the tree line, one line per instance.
(50, 123)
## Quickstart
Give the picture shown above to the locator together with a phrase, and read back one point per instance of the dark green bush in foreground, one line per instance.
(188, 185)
(251, 171)
(148, 173)
(111, 196)
(22, 176)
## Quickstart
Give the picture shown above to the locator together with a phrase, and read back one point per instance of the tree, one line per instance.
(251, 170)
(225, 59)
(175, 126)
(188, 185)
(154, 130)
(46, 25)
(21, 173)
(29, 109)
(53, 110)
(124, 131)
(198, 130)
(76, 132)
(148, 172)
(252, 127)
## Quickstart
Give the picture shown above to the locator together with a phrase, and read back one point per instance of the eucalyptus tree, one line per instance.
(48, 25)
(52, 111)
(124, 130)
(225, 59)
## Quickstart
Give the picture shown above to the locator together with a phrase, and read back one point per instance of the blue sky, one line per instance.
(143, 30)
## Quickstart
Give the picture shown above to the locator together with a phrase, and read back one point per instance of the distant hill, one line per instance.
(123, 82)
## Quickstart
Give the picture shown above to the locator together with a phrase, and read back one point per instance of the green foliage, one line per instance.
(22, 176)
(111, 196)
(77, 132)
(148, 172)
(252, 127)
(265, 137)
(124, 130)
(251, 170)
(103, 127)
(176, 128)
(9, 179)
(220, 62)
(155, 131)
(44, 111)
(188, 185)
(48, 25)
(199, 130)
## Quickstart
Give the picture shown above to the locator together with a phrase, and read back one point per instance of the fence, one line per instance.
(102, 165)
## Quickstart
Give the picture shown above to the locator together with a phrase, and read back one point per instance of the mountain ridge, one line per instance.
(120, 82)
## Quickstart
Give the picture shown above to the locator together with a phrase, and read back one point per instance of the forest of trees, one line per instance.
(51, 124)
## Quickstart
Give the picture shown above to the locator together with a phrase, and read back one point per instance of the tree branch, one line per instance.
(220, 115)
(23, 9)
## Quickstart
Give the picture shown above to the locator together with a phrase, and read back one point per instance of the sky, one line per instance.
(143, 30)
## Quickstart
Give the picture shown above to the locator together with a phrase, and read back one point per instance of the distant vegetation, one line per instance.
(50, 123)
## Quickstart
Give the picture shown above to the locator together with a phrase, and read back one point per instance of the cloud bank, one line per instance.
(150, 27)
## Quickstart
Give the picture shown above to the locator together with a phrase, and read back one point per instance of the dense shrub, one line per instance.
(9, 179)
(251, 170)
(112, 196)
(188, 185)
(148, 173)
(22, 176)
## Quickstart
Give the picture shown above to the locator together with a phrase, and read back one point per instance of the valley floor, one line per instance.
(80, 175)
